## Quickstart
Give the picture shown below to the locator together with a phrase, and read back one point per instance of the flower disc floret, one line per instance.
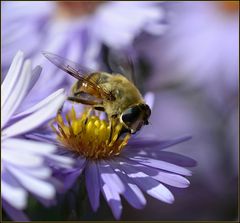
(90, 136)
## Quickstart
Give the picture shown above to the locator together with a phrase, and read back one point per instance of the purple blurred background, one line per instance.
(188, 55)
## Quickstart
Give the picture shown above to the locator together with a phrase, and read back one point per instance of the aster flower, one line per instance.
(198, 58)
(203, 70)
(116, 166)
(115, 24)
(25, 162)
(206, 52)
(78, 37)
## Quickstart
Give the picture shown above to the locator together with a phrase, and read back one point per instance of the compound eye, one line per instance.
(147, 111)
(133, 118)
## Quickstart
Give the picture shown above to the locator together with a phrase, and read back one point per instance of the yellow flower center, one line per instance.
(90, 136)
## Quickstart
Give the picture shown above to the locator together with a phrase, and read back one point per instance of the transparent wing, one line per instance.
(68, 65)
(121, 62)
(79, 72)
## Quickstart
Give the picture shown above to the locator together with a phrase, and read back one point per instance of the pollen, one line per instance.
(89, 136)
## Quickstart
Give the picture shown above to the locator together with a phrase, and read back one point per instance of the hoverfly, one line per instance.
(113, 93)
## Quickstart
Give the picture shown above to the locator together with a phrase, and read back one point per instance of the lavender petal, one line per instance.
(177, 159)
(146, 183)
(40, 104)
(109, 177)
(15, 196)
(92, 184)
(146, 143)
(170, 157)
(11, 77)
(171, 179)
(35, 119)
(20, 90)
(161, 165)
(69, 177)
(13, 213)
(132, 193)
(112, 197)
(34, 185)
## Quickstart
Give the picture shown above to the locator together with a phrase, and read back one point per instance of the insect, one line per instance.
(114, 93)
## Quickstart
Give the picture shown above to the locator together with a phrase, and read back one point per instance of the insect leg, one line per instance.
(59, 112)
(111, 129)
(96, 105)
(112, 123)
(82, 101)
(60, 109)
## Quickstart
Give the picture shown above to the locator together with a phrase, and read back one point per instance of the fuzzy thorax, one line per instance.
(90, 136)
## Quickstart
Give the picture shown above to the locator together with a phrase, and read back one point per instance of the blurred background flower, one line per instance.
(200, 49)
(195, 70)
(188, 54)
(74, 30)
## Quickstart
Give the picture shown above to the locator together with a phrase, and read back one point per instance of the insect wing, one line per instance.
(68, 65)
(122, 63)
(77, 71)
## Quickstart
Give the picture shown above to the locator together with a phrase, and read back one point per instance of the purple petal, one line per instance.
(34, 185)
(146, 183)
(109, 177)
(15, 196)
(11, 77)
(35, 75)
(69, 176)
(18, 94)
(92, 184)
(46, 203)
(28, 146)
(162, 176)
(170, 157)
(63, 161)
(139, 143)
(8, 177)
(47, 136)
(149, 143)
(112, 197)
(39, 105)
(160, 165)
(177, 159)
(38, 172)
(169, 178)
(13, 213)
(12, 157)
(132, 193)
(35, 119)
